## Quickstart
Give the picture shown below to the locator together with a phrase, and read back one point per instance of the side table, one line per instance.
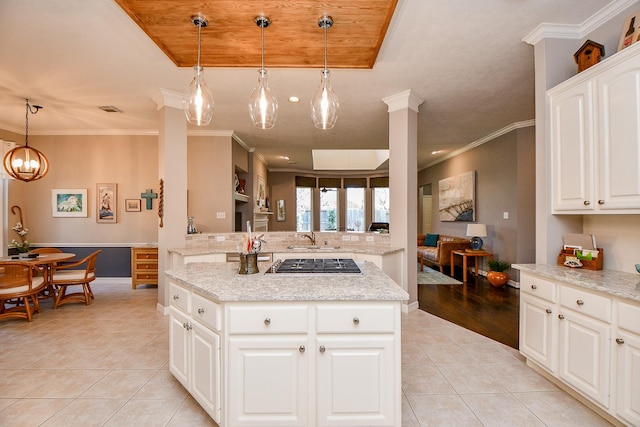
(466, 254)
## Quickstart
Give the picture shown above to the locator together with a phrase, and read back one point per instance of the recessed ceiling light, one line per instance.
(294, 99)
(435, 151)
(285, 157)
(110, 108)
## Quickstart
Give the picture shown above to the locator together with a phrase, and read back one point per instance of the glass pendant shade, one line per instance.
(324, 104)
(197, 101)
(26, 164)
(263, 105)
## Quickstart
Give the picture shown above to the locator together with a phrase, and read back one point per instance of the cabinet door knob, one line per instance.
(267, 321)
(586, 203)
(580, 302)
(201, 311)
(619, 341)
(176, 297)
(322, 349)
(549, 311)
(301, 349)
(601, 202)
(560, 316)
(356, 320)
(534, 287)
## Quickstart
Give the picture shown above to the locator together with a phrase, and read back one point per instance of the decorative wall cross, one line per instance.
(149, 195)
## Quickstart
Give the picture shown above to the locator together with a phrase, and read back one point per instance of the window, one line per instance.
(303, 208)
(355, 209)
(328, 209)
(381, 204)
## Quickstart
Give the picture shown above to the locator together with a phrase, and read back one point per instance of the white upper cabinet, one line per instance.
(595, 138)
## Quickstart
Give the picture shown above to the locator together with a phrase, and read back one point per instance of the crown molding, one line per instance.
(577, 31)
(407, 99)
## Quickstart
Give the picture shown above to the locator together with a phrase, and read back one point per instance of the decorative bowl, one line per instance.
(638, 268)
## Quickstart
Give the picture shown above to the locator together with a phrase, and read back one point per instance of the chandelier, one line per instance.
(26, 163)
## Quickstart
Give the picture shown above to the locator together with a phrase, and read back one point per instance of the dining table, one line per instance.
(44, 263)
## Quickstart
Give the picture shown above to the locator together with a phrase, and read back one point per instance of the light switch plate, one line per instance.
(505, 215)
(370, 239)
(219, 238)
(221, 215)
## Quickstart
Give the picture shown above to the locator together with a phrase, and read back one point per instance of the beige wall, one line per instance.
(80, 162)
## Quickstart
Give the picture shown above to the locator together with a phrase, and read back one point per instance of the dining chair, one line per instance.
(19, 290)
(49, 291)
(45, 251)
(75, 273)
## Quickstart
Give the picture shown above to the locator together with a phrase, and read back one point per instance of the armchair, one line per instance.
(19, 288)
(75, 273)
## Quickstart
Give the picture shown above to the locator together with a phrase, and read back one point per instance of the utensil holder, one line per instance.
(248, 264)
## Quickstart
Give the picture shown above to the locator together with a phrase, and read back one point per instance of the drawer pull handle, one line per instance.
(267, 321)
(560, 316)
(176, 297)
(580, 302)
(586, 203)
(601, 202)
(619, 341)
(356, 320)
(301, 349)
(322, 349)
(549, 311)
(534, 287)
(187, 326)
(201, 311)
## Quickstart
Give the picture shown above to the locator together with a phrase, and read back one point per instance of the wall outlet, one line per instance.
(345, 237)
(355, 238)
(219, 238)
(221, 215)
(370, 239)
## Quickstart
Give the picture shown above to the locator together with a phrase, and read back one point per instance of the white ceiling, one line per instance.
(466, 58)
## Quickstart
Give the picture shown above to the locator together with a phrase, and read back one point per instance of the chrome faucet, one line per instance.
(311, 237)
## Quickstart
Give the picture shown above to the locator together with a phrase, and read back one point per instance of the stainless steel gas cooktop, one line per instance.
(315, 266)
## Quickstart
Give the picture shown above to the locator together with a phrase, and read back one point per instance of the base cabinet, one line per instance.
(538, 331)
(628, 377)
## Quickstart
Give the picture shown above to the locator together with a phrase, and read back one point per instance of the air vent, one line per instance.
(110, 109)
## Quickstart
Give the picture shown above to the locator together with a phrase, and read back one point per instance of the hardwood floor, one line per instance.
(492, 312)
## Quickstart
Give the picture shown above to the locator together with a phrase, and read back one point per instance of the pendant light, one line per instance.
(26, 163)
(197, 101)
(324, 103)
(263, 105)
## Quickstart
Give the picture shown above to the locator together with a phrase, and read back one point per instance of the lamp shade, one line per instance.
(476, 230)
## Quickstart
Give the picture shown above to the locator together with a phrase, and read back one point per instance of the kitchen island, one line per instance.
(287, 349)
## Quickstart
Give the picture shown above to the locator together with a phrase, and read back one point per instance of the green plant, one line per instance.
(498, 265)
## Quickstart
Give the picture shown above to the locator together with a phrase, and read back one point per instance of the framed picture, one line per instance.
(132, 205)
(262, 192)
(106, 203)
(630, 31)
(67, 202)
(457, 197)
(281, 213)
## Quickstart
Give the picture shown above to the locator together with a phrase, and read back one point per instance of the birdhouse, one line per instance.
(588, 55)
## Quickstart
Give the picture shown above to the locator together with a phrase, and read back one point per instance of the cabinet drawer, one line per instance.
(146, 266)
(145, 276)
(541, 288)
(596, 306)
(141, 256)
(269, 319)
(628, 317)
(179, 297)
(355, 319)
(206, 311)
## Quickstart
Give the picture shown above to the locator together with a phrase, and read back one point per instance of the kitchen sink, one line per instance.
(313, 247)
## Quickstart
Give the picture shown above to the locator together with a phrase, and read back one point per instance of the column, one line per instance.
(172, 168)
(403, 184)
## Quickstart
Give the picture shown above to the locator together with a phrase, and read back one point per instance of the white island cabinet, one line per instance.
(582, 328)
(293, 350)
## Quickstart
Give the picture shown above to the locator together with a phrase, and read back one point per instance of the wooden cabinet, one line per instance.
(144, 266)
(194, 347)
(595, 138)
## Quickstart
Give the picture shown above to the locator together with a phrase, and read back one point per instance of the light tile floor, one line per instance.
(106, 364)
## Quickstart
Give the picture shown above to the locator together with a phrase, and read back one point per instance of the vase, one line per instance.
(497, 278)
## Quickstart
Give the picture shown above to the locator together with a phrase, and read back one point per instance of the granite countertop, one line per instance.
(274, 248)
(618, 283)
(222, 283)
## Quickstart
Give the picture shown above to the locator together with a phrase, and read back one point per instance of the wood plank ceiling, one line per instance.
(293, 40)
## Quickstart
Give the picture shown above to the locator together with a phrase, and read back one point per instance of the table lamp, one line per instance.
(476, 232)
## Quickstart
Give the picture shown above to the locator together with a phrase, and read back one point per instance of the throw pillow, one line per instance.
(431, 240)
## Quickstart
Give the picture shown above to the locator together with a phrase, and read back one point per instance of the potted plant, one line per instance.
(496, 276)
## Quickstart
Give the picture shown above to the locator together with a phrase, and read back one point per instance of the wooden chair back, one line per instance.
(19, 290)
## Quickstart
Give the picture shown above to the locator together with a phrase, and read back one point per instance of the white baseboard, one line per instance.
(409, 307)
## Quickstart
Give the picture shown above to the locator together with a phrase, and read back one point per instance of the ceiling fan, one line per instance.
(325, 189)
